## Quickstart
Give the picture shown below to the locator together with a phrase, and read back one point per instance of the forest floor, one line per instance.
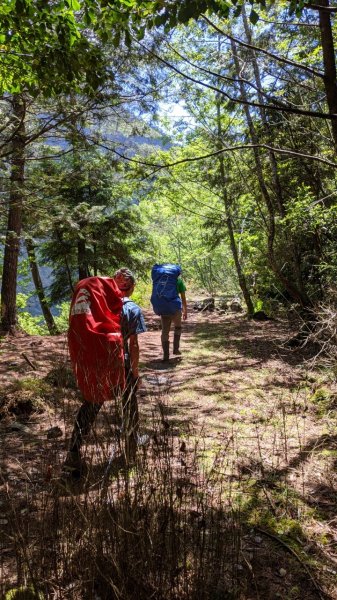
(253, 414)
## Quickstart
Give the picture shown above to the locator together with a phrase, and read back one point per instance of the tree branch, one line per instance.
(230, 79)
(216, 153)
(330, 9)
(286, 61)
(296, 111)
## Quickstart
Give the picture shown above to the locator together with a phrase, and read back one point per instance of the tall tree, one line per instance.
(93, 224)
(12, 242)
(39, 288)
(229, 220)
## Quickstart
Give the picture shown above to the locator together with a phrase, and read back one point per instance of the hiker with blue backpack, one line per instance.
(104, 325)
(169, 302)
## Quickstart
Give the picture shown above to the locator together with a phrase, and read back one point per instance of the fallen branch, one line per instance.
(28, 361)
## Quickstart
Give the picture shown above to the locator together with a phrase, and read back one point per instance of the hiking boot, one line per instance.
(176, 342)
(166, 351)
(73, 465)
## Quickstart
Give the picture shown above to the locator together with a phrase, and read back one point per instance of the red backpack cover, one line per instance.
(95, 339)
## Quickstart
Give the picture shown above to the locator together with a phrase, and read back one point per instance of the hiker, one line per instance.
(103, 342)
(169, 301)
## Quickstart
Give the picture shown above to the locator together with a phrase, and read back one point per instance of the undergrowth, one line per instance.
(175, 525)
(236, 516)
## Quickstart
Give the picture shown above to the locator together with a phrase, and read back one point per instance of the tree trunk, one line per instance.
(330, 83)
(66, 263)
(292, 289)
(240, 274)
(82, 259)
(12, 243)
(272, 157)
(48, 317)
(277, 187)
(95, 259)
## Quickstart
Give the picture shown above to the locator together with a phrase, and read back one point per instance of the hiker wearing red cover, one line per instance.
(103, 343)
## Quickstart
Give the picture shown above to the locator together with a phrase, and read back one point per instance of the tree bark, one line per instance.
(82, 259)
(329, 62)
(12, 243)
(48, 317)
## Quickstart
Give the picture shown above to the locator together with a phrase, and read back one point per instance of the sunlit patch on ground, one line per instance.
(239, 426)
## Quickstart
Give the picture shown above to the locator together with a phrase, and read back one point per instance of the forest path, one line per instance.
(260, 414)
(238, 386)
(233, 372)
(228, 363)
(238, 400)
(236, 380)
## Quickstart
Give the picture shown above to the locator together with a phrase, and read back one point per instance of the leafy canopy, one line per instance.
(169, 13)
(44, 47)
(52, 45)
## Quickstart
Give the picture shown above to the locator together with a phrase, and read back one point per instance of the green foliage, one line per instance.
(45, 48)
(93, 225)
(307, 215)
(35, 325)
(32, 325)
(258, 305)
(96, 213)
(176, 211)
(313, 224)
(21, 300)
(34, 384)
(170, 13)
(24, 593)
(320, 395)
(61, 320)
(142, 293)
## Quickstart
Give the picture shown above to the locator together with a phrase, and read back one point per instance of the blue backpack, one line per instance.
(165, 298)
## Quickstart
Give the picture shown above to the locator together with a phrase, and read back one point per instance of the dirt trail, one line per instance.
(236, 387)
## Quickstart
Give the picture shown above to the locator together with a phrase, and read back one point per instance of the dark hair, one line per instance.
(124, 278)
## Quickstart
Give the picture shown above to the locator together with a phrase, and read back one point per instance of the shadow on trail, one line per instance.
(270, 485)
(160, 365)
(223, 363)
(158, 529)
(251, 340)
(94, 477)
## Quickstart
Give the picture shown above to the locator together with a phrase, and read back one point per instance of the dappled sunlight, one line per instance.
(257, 427)
(174, 158)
